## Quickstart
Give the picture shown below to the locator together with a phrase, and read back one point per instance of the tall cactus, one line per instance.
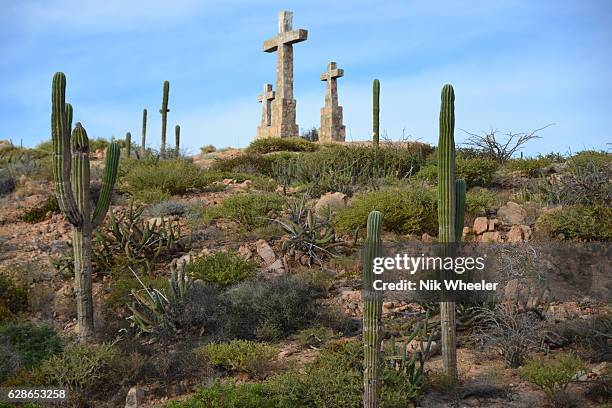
(372, 312)
(451, 208)
(164, 112)
(128, 144)
(71, 174)
(375, 113)
(177, 139)
(143, 144)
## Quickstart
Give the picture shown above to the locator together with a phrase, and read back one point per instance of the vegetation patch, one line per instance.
(13, 298)
(477, 172)
(285, 144)
(251, 210)
(240, 356)
(223, 268)
(583, 223)
(39, 213)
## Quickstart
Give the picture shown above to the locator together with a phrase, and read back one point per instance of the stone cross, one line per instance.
(284, 106)
(332, 128)
(266, 99)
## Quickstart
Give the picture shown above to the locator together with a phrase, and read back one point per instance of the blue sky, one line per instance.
(515, 65)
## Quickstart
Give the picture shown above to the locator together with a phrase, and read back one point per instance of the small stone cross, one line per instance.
(266, 99)
(331, 76)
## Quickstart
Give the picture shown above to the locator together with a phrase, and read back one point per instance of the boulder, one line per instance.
(266, 252)
(481, 224)
(135, 397)
(491, 236)
(330, 201)
(512, 213)
(515, 234)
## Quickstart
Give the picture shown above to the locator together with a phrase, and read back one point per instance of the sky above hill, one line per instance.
(516, 65)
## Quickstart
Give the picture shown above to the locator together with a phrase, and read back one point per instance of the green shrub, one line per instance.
(86, 371)
(25, 346)
(246, 163)
(286, 303)
(240, 356)
(333, 380)
(579, 223)
(315, 337)
(530, 167)
(285, 144)
(223, 268)
(121, 289)
(408, 211)
(587, 157)
(13, 298)
(553, 375)
(593, 334)
(168, 177)
(251, 210)
(478, 201)
(37, 214)
(477, 172)
(208, 149)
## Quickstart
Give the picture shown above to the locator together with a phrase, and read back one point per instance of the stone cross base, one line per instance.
(263, 132)
(332, 129)
(283, 119)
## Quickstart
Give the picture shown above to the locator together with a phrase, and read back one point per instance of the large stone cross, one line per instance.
(332, 128)
(284, 106)
(266, 99)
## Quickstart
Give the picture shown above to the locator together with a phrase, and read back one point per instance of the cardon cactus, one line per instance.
(71, 174)
(375, 112)
(143, 144)
(164, 112)
(372, 312)
(177, 139)
(451, 208)
(128, 144)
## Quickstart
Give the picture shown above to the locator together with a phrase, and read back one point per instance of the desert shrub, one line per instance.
(477, 172)
(478, 201)
(510, 333)
(7, 182)
(530, 167)
(285, 144)
(578, 222)
(286, 303)
(315, 337)
(601, 389)
(251, 210)
(593, 334)
(553, 375)
(13, 298)
(172, 176)
(86, 371)
(409, 211)
(166, 208)
(223, 268)
(345, 168)
(121, 289)
(25, 345)
(588, 181)
(246, 163)
(333, 380)
(240, 356)
(208, 149)
(37, 214)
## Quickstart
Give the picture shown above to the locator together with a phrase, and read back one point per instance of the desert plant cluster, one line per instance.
(243, 277)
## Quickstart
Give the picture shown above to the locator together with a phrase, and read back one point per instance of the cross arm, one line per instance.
(289, 37)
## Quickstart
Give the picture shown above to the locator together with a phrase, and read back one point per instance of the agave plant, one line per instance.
(310, 234)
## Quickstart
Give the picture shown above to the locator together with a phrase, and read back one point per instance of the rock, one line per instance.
(515, 234)
(276, 267)
(466, 232)
(600, 368)
(481, 224)
(266, 252)
(526, 229)
(492, 223)
(155, 221)
(245, 252)
(135, 397)
(491, 237)
(426, 237)
(330, 201)
(553, 168)
(512, 213)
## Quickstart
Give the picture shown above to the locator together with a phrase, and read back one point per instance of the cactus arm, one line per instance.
(81, 235)
(61, 150)
(109, 177)
(460, 192)
(372, 312)
(69, 114)
(447, 222)
(143, 145)
(376, 112)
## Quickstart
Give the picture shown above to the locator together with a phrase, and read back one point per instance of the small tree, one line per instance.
(501, 150)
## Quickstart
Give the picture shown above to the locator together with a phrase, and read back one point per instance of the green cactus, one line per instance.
(128, 144)
(71, 174)
(376, 112)
(143, 145)
(177, 138)
(451, 208)
(164, 112)
(372, 312)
